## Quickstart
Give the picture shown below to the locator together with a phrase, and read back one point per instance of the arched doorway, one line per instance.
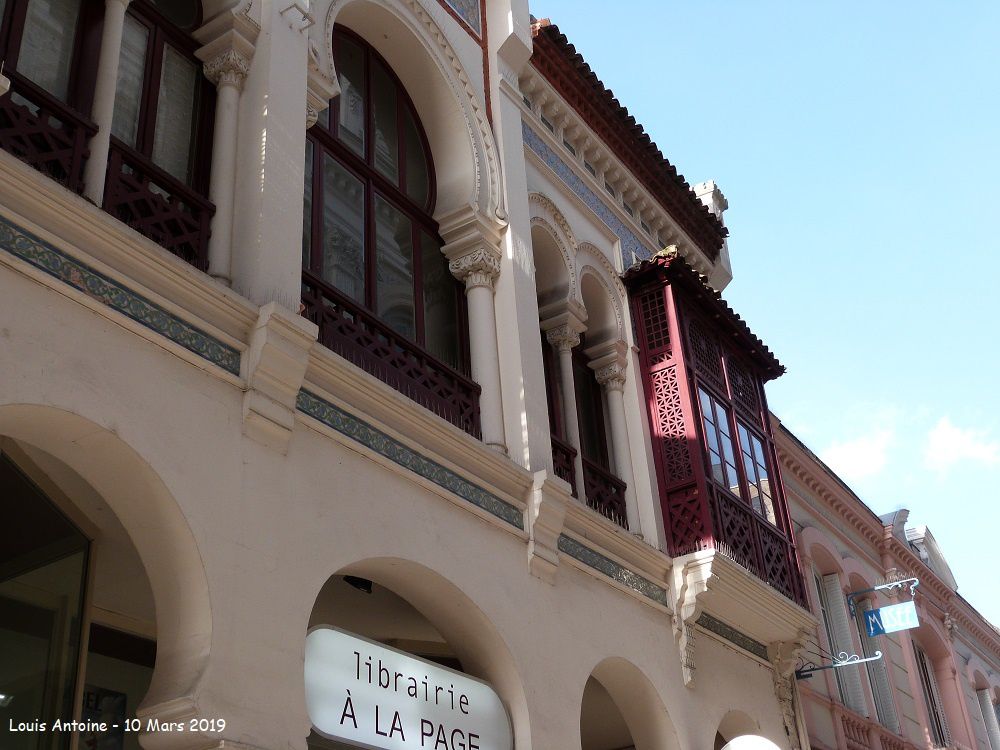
(416, 658)
(621, 710)
(77, 619)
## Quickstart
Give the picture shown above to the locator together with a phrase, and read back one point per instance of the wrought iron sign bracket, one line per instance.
(914, 582)
(842, 660)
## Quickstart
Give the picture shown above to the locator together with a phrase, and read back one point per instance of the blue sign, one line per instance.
(891, 619)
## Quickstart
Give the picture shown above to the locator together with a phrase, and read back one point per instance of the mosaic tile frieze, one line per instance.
(45, 257)
(732, 635)
(612, 570)
(468, 11)
(631, 245)
(387, 446)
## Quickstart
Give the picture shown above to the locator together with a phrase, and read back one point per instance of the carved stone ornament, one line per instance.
(481, 267)
(611, 377)
(229, 68)
(783, 656)
(563, 338)
(312, 116)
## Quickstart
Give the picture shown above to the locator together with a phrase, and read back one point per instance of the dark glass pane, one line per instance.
(323, 119)
(440, 303)
(47, 44)
(131, 69)
(394, 268)
(119, 669)
(417, 168)
(43, 558)
(343, 229)
(307, 204)
(176, 111)
(718, 472)
(181, 13)
(590, 412)
(386, 130)
(350, 62)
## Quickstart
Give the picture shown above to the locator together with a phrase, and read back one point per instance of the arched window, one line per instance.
(161, 131)
(372, 259)
(50, 59)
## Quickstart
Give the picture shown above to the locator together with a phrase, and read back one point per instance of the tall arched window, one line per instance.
(372, 259)
(49, 50)
(161, 131)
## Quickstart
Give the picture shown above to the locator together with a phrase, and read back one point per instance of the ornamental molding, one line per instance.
(611, 377)
(546, 515)
(480, 267)
(563, 338)
(229, 68)
(692, 579)
(484, 149)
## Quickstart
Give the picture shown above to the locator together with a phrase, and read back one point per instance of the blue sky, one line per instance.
(858, 145)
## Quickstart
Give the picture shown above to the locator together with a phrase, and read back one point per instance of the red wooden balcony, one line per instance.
(564, 462)
(42, 131)
(359, 337)
(746, 537)
(158, 205)
(605, 493)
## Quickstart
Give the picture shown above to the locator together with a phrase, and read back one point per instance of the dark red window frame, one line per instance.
(324, 141)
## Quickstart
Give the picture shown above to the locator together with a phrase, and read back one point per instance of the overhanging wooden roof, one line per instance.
(566, 70)
(671, 266)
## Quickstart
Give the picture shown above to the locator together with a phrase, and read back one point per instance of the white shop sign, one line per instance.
(376, 697)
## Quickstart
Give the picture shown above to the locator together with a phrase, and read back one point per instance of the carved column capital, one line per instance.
(611, 377)
(228, 68)
(563, 338)
(480, 267)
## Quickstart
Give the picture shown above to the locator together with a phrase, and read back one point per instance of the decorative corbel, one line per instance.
(784, 655)
(692, 578)
(275, 367)
(546, 513)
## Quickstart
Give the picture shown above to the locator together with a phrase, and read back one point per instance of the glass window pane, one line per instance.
(718, 473)
(394, 268)
(182, 13)
(128, 95)
(706, 405)
(307, 205)
(47, 44)
(417, 169)
(386, 131)
(44, 559)
(440, 303)
(343, 230)
(119, 670)
(173, 141)
(350, 62)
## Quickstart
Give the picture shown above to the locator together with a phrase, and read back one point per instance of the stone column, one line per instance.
(564, 339)
(479, 270)
(612, 379)
(227, 70)
(103, 111)
(989, 717)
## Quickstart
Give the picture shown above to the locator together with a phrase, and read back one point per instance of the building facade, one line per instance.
(355, 318)
(936, 685)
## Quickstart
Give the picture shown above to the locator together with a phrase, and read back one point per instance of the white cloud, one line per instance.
(948, 445)
(860, 458)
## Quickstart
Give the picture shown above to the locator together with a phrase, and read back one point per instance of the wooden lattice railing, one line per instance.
(44, 132)
(564, 462)
(605, 493)
(158, 205)
(359, 337)
(749, 539)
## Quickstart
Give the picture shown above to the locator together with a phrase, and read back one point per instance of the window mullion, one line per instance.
(16, 13)
(150, 93)
(316, 219)
(417, 235)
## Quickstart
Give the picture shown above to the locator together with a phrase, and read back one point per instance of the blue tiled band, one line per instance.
(44, 256)
(349, 425)
(612, 570)
(732, 635)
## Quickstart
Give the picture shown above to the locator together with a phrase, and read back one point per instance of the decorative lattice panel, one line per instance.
(734, 531)
(705, 352)
(655, 323)
(775, 556)
(670, 430)
(686, 513)
(744, 388)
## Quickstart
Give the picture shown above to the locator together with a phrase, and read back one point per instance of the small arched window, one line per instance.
(369, 235)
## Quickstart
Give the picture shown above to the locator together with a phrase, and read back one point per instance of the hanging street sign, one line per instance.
(891, 619)
(372, 696)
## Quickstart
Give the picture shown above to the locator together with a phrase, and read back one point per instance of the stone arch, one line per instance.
(467, 630)
(736, 729)
(605, 320)
(558, 239)
(638, 701)
(154, 523)
(447, 103)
